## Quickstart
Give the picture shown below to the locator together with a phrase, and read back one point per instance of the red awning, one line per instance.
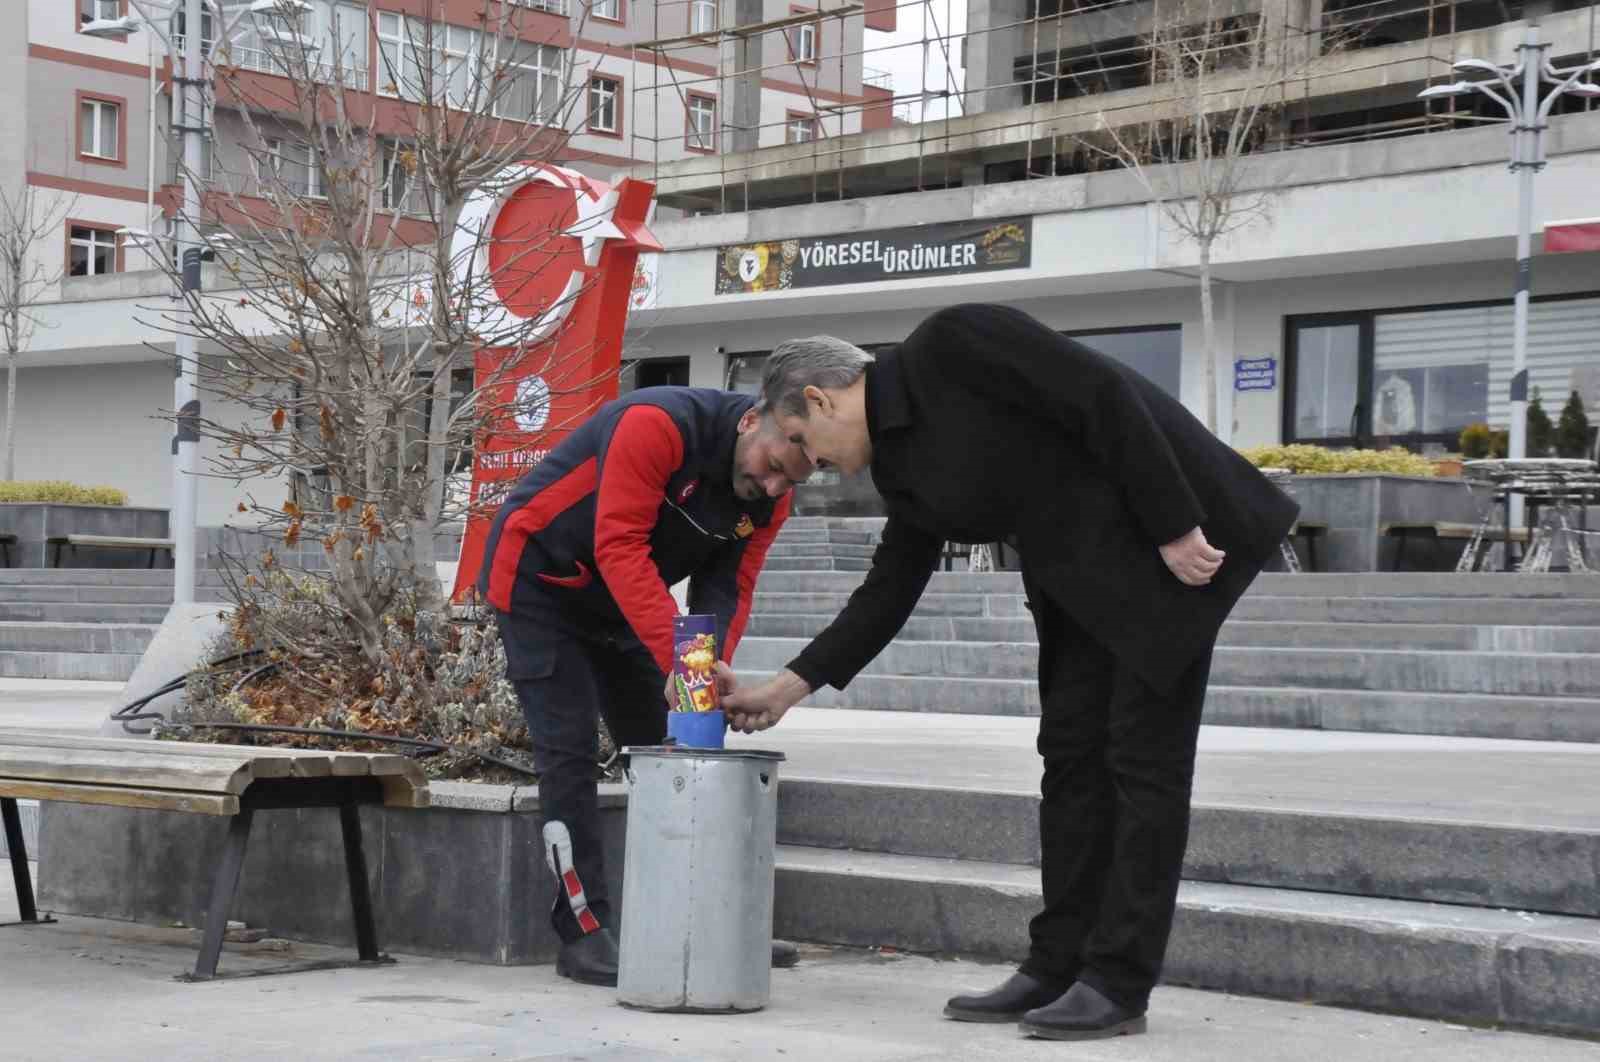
(1582, 235)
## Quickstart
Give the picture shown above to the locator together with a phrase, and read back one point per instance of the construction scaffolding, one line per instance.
(1070, 67)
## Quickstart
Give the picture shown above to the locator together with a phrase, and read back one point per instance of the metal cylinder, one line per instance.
(697, 881)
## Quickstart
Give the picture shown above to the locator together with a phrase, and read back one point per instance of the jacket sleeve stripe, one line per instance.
(645, 449)
(755, 555)
(532, 518)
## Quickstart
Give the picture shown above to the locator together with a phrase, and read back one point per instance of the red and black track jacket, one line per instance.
(636, 499)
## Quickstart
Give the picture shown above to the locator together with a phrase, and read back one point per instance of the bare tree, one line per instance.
(1226, 77)
(27, 224)
(356, 282)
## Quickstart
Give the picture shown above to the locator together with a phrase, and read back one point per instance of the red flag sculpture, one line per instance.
(559, 251)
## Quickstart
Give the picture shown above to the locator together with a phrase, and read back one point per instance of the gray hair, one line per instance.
(815, 361)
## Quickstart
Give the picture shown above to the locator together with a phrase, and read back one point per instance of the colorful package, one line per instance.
(694, 659)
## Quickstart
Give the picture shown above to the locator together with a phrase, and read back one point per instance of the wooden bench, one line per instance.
(234, 781)
(6, 542)
(76, 542)
(1444, 532)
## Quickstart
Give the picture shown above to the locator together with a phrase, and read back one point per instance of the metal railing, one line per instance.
(882, 79)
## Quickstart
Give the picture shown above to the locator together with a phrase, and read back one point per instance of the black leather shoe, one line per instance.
(591, 959)
(1082, 1014)
(784, 955)
(1009, 1002)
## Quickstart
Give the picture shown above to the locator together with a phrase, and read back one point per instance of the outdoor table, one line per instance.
(1554, 483)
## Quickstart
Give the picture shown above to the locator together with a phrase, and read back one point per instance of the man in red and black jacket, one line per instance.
(665, 484)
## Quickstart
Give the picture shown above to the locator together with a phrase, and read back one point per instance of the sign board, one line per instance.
(1255, 374)
(944, 249)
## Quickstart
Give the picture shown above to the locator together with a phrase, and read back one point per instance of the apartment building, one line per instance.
(88, 120)
(1370, 301)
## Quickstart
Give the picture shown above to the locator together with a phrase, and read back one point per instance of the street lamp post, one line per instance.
(190, 79)
(1528, 114)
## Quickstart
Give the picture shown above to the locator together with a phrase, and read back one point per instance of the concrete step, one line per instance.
(1465, 964)
(1512, 673)
(817, 549)
(1386, 712)
(1250, 633)
(1554, 587)
(1535, 868)
(68, 612)
(791, 535)
(95, 667)
(87, 593)
(1254, 607)
(1579, 612)
(822, 565)
(102, 576)
(823, 603)
(77, 637)
(1574, 719)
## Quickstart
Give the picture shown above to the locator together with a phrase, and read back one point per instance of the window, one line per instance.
(805, 39)
(701, 134)
(99, 129)
(604, 93)
(91, 251)
(1420, 375)
(1326, 353)
(95, 10)
(538, 76)
(609, 10)
(1154, 351)
(417, 58)
(800, 128)
(555, 7)
(702, 16)
(402, 188)
(292, 168)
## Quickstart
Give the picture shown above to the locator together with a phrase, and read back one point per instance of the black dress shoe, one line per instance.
(1082, 1014)
(1009, 1002)
(784, 955)
(591, 959)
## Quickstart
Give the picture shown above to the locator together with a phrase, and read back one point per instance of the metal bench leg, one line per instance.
(223, 888)
(355, 864)
(19, 865)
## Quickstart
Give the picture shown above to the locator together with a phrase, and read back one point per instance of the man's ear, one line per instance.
(819, 399)
(750, 421)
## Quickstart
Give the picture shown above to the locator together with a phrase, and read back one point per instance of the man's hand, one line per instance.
(1192, 559)
(753, 708)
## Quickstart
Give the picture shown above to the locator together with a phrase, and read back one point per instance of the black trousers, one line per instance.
(569, 671)
(1114, 814)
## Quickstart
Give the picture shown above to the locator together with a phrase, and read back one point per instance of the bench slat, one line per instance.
(295, 763)
(264, 762)
(145, 770)
(121, 796)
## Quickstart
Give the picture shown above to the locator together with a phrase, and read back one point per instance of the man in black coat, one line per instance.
(1138, 530)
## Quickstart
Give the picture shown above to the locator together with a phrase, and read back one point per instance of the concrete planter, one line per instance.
(1355, 506)
(463, 879)
(34, 522)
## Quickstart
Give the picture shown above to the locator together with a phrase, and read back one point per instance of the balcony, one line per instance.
(880, 79)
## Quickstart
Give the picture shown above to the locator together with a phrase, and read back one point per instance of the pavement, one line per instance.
(98, 989)
(89, 989)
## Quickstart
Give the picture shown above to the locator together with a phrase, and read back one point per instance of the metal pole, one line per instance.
(185, 392)
(1525, 161)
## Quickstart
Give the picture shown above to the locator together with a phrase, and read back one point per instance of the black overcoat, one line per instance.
(989, 426)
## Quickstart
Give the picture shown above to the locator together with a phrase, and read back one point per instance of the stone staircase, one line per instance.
(82, 623)
(1363, 835)
(824, 544)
